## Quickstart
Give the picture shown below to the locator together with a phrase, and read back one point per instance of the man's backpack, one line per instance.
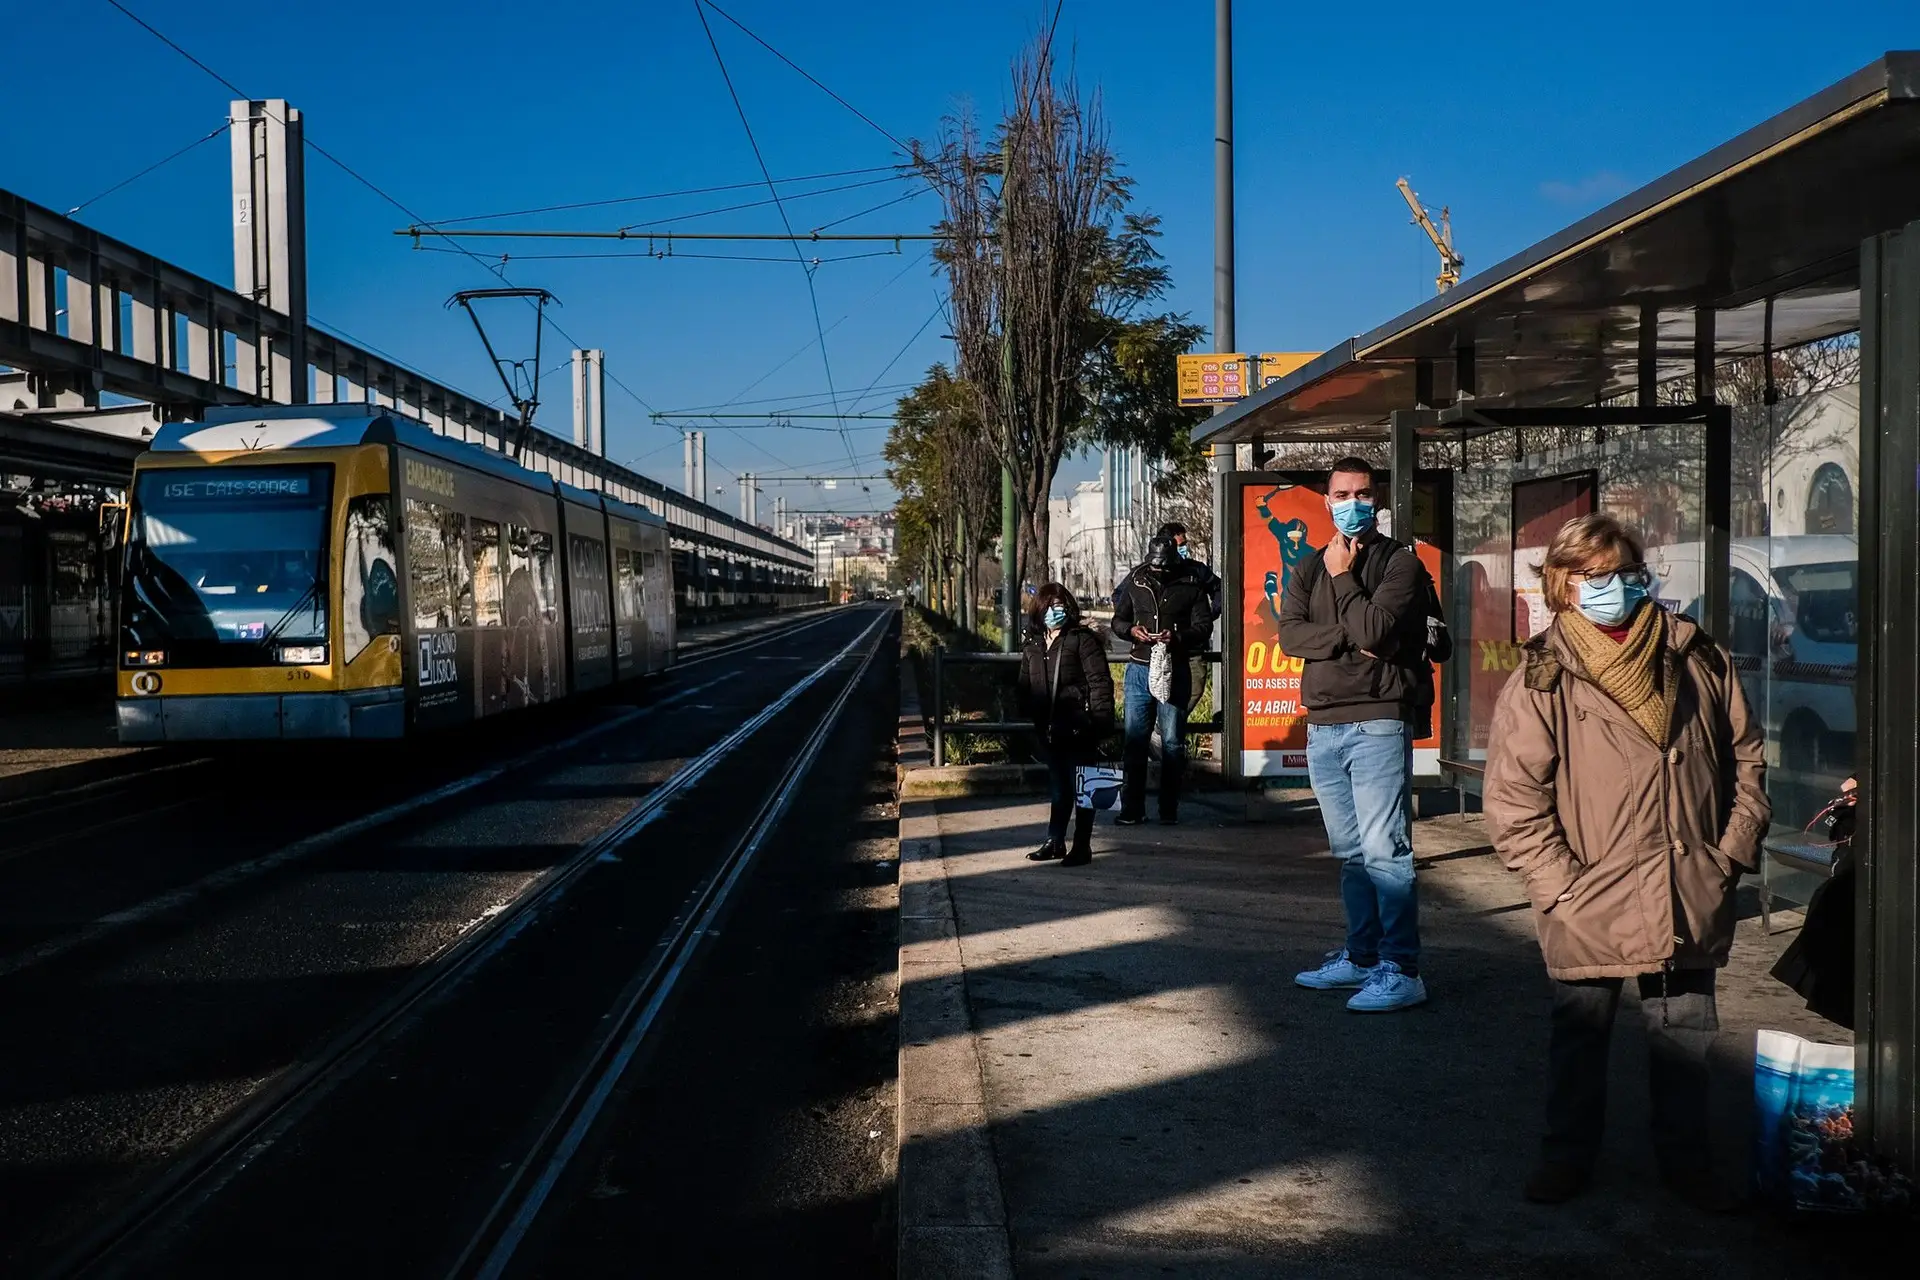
(1439, 636)
(1439, 643)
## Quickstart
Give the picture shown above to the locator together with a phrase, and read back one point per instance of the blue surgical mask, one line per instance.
(1055, 617)
(1353, 517)
(1184, 553)
(1610, 601)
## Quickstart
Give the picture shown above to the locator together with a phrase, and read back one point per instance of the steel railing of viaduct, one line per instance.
(93, 317)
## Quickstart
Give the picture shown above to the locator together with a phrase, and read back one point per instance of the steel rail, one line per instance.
(490, 1250)
(47, 803)
(229, 877)
(201, 1172)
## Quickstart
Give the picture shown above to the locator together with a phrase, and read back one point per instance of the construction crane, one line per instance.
(1442, 237)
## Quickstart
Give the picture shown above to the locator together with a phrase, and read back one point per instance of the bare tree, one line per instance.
(1022, 258)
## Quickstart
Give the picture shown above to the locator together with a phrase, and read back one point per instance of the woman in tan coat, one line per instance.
(1626, 784)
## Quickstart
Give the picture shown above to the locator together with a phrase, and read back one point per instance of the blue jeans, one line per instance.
(1362, 777)
(1142, 712)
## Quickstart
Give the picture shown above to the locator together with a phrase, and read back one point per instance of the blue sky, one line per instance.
(1520, 117)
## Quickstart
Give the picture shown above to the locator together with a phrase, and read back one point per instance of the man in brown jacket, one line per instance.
(1627, 784)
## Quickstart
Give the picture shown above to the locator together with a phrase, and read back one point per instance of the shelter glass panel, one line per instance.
(1513, 492)
(1796, 559)
(1794, 556)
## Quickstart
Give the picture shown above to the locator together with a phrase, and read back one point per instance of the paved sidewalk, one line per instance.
(1109, 1071)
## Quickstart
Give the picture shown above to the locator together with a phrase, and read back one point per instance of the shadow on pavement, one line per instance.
(1161, 1098)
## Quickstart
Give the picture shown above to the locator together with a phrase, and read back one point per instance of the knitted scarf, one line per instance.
(1628, 670)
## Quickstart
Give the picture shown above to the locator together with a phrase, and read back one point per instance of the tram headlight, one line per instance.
(303, 655)
(146, 657)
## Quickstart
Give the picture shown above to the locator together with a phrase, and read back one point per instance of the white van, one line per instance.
(1795, 637)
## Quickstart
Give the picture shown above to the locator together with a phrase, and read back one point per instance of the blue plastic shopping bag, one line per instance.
(1806, 1157)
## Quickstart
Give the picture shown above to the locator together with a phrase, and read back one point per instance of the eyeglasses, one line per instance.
(1632, 575)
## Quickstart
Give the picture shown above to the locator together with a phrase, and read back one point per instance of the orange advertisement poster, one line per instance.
(1282, 526)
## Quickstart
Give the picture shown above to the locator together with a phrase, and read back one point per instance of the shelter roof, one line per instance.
(1764, 230)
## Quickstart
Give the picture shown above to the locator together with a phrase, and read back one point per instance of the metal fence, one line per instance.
(943, 727)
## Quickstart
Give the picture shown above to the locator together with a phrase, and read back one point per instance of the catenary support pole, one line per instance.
(1224, 337)
(1223, 307)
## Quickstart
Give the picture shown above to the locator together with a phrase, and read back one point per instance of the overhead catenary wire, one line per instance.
(808, 346)
(808, 76)
(667, 254)
(363, 180)
(885, 204)
(777, 426)
(195, 145)
(571, 206)
(904, 347)
(813, 294)
(498, 271)
(797, 402)
(761, 204)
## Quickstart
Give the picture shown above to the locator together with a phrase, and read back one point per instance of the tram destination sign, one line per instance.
(219, 488)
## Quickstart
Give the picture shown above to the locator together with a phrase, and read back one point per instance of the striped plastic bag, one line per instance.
(1097, 786)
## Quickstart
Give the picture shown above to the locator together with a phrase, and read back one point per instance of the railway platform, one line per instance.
(1109, 1071)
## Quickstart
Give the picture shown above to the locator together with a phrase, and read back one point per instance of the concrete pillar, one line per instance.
(270, 230)
(597, 402)
(580, 398)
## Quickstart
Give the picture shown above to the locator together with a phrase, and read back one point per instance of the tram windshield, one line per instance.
(228, 566)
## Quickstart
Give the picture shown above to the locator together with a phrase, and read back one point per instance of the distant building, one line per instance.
(1100, 530)
(846, 547)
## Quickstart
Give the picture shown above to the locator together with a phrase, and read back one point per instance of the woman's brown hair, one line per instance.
(1579, 543)
(1048, 596)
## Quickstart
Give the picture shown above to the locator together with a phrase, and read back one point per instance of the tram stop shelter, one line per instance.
(1728, 359)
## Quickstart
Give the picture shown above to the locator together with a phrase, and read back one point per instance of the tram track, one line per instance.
(493, 1246)
(47, 827)
(172, 764)
(480, 918)
(223, 1154)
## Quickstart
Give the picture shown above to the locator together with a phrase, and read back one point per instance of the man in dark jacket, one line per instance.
(1356, 613)
(1209, 582)
(1161, 603)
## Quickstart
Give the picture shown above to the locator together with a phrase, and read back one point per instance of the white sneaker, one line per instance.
(1336, 973)
(1388, 989)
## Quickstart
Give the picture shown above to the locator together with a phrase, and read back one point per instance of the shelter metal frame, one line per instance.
(1788, 233)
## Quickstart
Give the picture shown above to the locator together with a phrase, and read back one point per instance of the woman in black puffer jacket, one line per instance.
(1067, 691)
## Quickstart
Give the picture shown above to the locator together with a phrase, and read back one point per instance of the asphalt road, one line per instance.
(123, 1056)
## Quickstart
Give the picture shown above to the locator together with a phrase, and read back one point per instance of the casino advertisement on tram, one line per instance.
(1283, 519)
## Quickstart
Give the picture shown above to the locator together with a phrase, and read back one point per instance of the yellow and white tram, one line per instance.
(340, 571)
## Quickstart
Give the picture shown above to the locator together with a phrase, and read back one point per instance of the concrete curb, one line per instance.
(952, 1215)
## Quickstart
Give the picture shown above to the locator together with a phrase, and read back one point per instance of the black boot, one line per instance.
(1170, 779)
(1047, 852)
(1082, 851)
